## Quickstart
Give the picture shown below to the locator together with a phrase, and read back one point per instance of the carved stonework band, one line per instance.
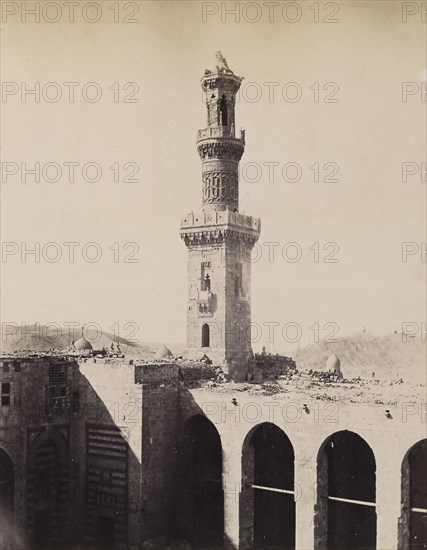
(220, 187)
(227, 149)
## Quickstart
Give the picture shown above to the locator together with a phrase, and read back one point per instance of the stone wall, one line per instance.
(389, 438)
(34, 414)
(121, 426)
(272, 366)
(158, 467)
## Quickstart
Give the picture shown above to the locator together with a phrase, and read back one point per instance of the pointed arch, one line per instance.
(7, 499)
(223, 109)
(47, 492)
(205, 336)
(413, 523)
(346, 494)
(201, 508)
(267, 510)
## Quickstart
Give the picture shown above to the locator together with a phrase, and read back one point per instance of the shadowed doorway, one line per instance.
(346, 493)
(202, 498)
(268, 481)
(414, 497)
(7, 495)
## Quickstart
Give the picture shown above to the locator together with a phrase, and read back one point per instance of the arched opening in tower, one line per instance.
(205, 336)
(223, 110)
(7, 496)
(236, 286)
(268, 488)
(414, 497)
(346, 494)
(206, 282)
(201, 499)
(47, 492)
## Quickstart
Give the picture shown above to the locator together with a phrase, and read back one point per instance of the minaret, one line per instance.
(219, 239)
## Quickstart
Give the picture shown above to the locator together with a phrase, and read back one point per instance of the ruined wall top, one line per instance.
(221, 70)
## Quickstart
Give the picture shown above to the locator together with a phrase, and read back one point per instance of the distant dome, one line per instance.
(333, 363)
(82, 344)
(163, 352)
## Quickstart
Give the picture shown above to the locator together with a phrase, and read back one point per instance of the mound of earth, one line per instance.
(371, 357)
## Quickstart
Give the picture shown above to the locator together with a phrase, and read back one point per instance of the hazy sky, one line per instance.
(361, 61)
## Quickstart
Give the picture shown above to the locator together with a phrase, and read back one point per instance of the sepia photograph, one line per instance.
(213, 275)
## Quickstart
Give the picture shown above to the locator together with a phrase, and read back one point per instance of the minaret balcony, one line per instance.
(202, 220)
(213, 132)
(205, 302)
(213, 228)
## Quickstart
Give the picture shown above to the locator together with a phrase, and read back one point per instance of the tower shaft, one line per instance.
(220, 239)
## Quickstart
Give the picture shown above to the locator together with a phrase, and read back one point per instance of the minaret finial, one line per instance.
(222, 66)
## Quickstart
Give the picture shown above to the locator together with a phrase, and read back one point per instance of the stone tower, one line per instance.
(219, 239)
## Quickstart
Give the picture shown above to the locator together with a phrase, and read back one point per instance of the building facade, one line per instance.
(101, 452)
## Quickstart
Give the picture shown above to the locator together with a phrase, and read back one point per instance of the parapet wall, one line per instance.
(220, 218)
(268, 365)
(156, 373)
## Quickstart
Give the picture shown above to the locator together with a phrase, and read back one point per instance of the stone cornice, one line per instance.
(217, 236)
(223, 148)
